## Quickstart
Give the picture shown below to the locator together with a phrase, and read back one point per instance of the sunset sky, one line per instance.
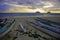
(16, 5)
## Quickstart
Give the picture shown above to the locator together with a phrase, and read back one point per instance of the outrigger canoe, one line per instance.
(6, 28)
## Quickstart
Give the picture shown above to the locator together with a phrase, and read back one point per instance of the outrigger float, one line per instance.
(22, 27)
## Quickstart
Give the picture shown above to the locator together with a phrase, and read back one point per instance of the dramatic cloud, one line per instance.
(6, 4)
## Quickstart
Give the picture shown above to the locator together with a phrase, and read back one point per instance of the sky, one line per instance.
(7, 4)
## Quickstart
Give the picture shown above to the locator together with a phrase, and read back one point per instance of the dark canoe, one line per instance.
(55, 32)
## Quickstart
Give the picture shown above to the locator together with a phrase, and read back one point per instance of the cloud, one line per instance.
(17, 3)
